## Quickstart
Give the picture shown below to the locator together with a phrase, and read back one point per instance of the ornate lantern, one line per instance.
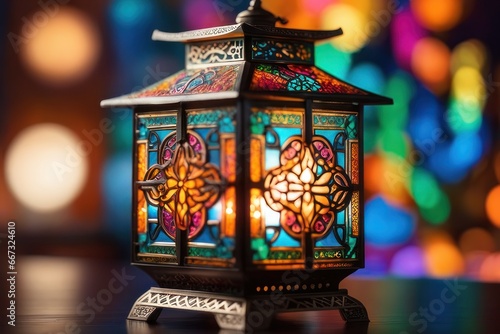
(248, 194)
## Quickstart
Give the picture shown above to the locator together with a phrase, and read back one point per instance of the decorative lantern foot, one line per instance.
(238, 313)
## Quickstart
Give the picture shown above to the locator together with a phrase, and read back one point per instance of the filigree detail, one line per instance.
(191, 301)
(215, 52)
(308, 188)
(230, 321)
(142, 311)
(194, 34)
(198, 283)
(239, 313)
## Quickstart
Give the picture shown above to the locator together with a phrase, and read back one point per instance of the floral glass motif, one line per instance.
(208, 149)
(298, 78)
(308, 188)
(184, 186)
(304, 193)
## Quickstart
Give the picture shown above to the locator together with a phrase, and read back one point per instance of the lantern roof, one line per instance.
(248, 59)
(242, 29)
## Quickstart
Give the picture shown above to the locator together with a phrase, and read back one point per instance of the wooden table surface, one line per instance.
(57, 295)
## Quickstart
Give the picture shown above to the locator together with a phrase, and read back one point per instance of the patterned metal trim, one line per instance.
(238, 313)
(355, 214)
(195, 34)
(338, 301)
(214, 52)
(198, 283)
(140, 312)
(157, 298)
(156, 121)
(239, 29)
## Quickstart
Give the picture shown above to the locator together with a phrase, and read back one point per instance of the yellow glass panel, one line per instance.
(354, 162)
(355, 214)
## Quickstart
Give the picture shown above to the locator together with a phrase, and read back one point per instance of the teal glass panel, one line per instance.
(152, 212)
(283, 51)
(152, 158)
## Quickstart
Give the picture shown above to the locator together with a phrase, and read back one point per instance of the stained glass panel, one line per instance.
(187, 184)
(304, 199)
(298, 78)
(271, 244)
(214, 79)
(285, 51)
(341, 128)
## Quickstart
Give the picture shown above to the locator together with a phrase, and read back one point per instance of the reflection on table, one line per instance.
(75, 295)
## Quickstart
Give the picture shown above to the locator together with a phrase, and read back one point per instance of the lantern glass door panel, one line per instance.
(185, 188)
(248, 176)
(304, 196)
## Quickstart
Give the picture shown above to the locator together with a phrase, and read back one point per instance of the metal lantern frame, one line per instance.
(247, 183)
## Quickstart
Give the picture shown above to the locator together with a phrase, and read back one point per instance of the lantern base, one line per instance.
(244, 314)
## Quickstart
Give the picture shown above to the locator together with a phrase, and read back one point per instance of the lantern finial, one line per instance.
(256, 15)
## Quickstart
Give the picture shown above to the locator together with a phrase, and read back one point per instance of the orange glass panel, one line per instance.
(141, 201)
(256, 164)
(257, 228)
(141, 160)
(141, 212)
(229, 221)
(228, 152)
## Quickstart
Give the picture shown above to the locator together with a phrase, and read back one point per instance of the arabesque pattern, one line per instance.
(308, 188)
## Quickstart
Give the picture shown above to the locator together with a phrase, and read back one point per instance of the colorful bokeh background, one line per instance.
(432, 167)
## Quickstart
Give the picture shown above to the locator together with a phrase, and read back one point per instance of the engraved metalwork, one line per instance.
(239, 313)
(195, 34)
(150, 304)
(238, 29)
(215, 52)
